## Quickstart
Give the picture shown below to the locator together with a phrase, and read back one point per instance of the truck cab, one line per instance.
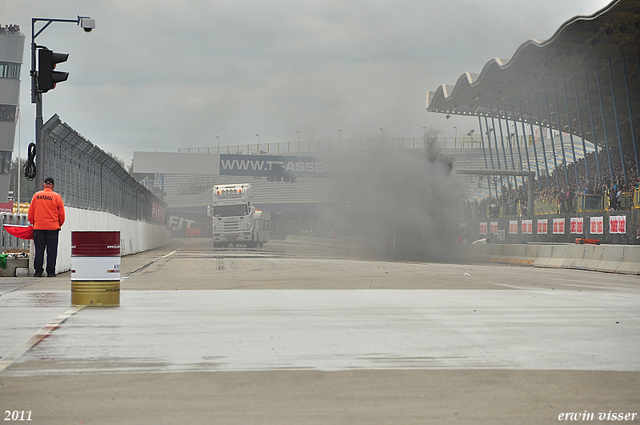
(235, 220)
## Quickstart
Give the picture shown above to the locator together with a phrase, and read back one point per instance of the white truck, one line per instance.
(235, 220)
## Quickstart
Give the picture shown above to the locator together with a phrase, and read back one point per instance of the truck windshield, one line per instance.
(230, 210)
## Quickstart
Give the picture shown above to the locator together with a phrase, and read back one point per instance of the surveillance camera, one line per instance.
(87, 24)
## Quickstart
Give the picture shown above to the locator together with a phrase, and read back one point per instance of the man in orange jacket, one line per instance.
(46, 213)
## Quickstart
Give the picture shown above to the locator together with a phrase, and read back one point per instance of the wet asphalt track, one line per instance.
(191, 309)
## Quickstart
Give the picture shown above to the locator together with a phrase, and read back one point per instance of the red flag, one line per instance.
(22, 232)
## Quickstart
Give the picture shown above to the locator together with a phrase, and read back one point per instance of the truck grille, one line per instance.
(231, 226)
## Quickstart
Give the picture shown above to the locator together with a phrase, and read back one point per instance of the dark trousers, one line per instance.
(46, 239)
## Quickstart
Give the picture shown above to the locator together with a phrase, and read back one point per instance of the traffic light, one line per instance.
(47, 77)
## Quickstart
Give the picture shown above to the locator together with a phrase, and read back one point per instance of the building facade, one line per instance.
(11, 53)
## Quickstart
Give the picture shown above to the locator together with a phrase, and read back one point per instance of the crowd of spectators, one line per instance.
(561, 194)
(10, 29)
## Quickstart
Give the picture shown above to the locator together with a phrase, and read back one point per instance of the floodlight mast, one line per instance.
(85, 23)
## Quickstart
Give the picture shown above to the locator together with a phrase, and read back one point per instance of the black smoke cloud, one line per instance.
(405, 198)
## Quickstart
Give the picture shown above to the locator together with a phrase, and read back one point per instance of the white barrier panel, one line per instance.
(575, 255)
(514, 254)
(631, 263)
(592, 257)
(558, 255)
(531, 253)
(544, 256)
(496, 252)
(612, 258)
(604, 258)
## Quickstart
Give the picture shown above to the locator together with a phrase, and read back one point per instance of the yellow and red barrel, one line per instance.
(95, 268)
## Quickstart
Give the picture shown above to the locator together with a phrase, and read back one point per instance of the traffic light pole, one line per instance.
(36, 96)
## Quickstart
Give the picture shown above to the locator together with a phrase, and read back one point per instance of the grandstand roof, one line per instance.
(570, 72)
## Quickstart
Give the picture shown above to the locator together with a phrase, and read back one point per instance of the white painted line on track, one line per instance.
(152, 262)
(39, 336)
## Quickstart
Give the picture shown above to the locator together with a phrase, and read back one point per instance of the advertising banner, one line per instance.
(558, 226)
(494, 227)
(618, 224)
(513, 227)
(596, 227)
(542, 226)
(527, 227)
(6, 207)
(483, 228)
(576, 225)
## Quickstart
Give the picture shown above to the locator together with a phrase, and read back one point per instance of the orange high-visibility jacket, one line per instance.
(46, 211)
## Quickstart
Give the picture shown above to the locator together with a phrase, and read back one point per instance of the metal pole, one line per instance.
(486, 123)
(486, 165)
(524, 133)
(37, 99)
(495, 139)
(604, 124)
(535, 152)
(593, 128)
(615, 115)
(504, 152)
(564, 156)
(573, 146)
(513, 162)
(584, 145)
(553, 143)
(633, 137)
(544, 151)
(484, 151)
(515, 128)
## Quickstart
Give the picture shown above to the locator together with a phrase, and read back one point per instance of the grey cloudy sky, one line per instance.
(161, 75)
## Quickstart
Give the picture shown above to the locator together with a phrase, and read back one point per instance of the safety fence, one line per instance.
(88, 178)
(580, 204)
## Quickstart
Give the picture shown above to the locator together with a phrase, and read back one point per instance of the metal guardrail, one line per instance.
(11, 242)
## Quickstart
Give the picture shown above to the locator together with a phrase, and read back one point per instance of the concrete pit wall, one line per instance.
(604, 258)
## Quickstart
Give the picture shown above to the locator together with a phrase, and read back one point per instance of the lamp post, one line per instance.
(298, 131)
(218, 138)
(258, 135)
(340, 133)
(87, 24)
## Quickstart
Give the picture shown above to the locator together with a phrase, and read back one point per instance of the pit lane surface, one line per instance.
(310, 335)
